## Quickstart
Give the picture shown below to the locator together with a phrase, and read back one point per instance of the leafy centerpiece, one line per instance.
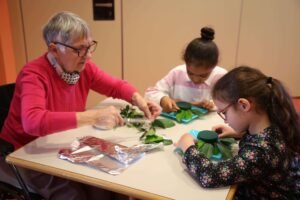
(214, 147)
(186, 113)
(130, 112)
(148, 130)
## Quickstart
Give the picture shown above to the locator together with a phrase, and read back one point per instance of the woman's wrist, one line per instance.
(86, 118)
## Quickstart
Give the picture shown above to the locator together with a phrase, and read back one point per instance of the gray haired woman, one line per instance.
(50, 96)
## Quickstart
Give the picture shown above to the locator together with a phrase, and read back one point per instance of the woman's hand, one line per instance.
(105, 118)
(185, 142)
(150, 109)
(224, 130)
(154, 108)
(109, 118)
(208, 104)
(168, 104)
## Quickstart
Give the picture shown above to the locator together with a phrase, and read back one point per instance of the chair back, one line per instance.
(7, 190)
(296, 101)
(6, 95)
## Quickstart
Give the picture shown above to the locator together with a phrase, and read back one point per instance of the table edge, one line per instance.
(136, 193)
(92, 181)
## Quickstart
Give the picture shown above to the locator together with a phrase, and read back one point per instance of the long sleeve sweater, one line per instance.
(262, 169)
(43, 103)
(178, 86)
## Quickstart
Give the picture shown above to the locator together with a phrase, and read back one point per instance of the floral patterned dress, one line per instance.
(262, 169)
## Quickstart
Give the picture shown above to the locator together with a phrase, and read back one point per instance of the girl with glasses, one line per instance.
(259, 111)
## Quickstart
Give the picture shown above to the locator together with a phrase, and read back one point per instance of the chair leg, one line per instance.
(21, 182)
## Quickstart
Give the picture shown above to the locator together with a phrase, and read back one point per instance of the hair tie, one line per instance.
(269, 80)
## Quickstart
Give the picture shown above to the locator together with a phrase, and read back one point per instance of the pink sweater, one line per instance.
(177, 85)
(44, 104)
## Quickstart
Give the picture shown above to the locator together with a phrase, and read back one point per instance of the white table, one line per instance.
(158, 175)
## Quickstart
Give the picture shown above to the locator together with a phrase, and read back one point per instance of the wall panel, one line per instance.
(7, 56)
(148, 37)
(156, 32)
(269, 39)
(17, 33)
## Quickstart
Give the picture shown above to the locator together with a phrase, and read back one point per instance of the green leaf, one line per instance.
(150, 139)
(184, 105)
(153, 139)
(179, 117)
(124, 111)
(136, 114)
(209, 150)
(216, 150)
(167, 142)
(184, 115)
(225, 150)
(163, 123)
(147, 132)
(204, 149)
(198, 112)
(199, 144)
(130, 112)
(227, 140)
(136, 125)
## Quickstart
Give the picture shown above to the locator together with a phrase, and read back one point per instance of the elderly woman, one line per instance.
(51, 93)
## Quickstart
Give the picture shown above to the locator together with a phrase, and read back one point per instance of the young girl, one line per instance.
(193, 81)
(259, 111)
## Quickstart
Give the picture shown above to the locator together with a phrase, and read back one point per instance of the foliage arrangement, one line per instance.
(213, 147)
(148, 130)
(186, 112)
(184, 115)
(130, 112)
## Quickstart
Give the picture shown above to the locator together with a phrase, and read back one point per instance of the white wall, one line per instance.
(147, 37)
(269, 39)
(156, 33)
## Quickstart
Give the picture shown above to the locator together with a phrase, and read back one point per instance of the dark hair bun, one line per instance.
(207, 33)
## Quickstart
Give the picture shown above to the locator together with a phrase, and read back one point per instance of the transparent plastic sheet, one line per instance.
(104, 155)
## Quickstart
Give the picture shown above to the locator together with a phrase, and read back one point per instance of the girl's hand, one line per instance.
(224, 130)
(168, 104)
(208, 104)
(185, 142)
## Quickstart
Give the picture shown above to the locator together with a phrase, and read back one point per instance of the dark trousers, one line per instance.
(55, 188)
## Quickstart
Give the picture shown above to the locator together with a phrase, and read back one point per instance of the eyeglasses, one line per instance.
(83, 50)
(222, 113)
